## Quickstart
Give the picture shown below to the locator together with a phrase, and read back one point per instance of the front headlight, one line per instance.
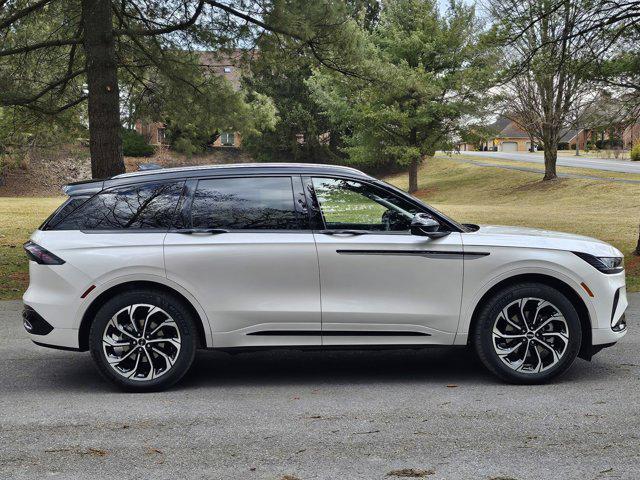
(604, 264)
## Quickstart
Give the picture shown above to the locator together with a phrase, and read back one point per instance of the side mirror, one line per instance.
(426, 226)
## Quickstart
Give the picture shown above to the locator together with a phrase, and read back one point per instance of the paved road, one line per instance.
(539, 170)
(340, 416)
(624, 166)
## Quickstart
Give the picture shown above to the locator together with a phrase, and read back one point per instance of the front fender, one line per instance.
(477, 284)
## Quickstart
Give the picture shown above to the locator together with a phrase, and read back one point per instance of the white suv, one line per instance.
(143, 269)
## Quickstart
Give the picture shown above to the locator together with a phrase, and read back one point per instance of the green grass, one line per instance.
(18, 218)
(598, 208)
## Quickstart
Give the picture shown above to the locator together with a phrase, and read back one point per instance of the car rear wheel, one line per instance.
(143, 340)
(528, 333)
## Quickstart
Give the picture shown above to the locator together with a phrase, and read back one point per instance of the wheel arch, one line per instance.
(103, 297)
(563, 287)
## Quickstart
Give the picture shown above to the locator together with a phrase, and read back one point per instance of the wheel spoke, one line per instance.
(553, 351)
(563, 336)
(152, 369)
(523, 317)
(135, 367)
(114, 343)
(503, 352)
(166, 323)
(116, 360)
(498, 333)
(519, 364)
(539, 308)
(505, 315)
(114, 323)
(132, 320)
(168, 359)
(539, 364)
(555, 316)
(146, 319)
(172, 341)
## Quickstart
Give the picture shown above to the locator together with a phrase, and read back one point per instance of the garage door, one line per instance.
(509, 147)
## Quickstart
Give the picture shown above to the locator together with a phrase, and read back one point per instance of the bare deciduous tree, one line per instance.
(546, 66)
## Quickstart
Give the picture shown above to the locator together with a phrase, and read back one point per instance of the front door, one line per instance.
(246, 252)
(379, 283)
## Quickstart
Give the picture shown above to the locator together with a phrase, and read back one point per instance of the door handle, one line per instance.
(209, 231)
(344, 232)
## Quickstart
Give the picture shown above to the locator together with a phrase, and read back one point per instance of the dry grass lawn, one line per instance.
(603, 209)
(468, 193)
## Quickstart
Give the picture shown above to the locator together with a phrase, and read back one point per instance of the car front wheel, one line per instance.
(528, 333)
(143, 340)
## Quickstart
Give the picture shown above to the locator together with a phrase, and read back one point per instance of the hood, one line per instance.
(498, 235)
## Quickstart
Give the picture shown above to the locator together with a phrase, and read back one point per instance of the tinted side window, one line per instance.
(263, 203)
(346, 204)
(65, 209)
(147, 206)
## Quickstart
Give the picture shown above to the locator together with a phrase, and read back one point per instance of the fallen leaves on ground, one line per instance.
(95, 452)
(411, 473)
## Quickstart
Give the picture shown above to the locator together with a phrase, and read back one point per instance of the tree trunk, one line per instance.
(550, 147)
(637, 250)
(105, 138)
(413, 175)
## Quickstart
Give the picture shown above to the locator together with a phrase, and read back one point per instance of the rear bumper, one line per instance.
(41, 332)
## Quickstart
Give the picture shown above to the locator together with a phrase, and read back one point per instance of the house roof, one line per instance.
(507, 128)
(569, 135)
(227, 64)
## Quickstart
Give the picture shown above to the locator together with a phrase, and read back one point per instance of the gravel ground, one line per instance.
(344, 415)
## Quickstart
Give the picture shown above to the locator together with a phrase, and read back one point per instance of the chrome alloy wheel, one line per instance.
(530, 335)
(141, 342)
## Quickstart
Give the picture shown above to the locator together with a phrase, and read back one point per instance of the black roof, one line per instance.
(93, 186)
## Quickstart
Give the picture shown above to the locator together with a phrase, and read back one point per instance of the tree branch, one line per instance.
(22, 13)
(39, 109)
(36, 46)
(163, 30)
(24, 101)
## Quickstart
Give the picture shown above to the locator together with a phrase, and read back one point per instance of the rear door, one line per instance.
(256, 273)
(379, 283)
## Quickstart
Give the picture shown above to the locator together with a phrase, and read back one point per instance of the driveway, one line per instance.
(624, 166)
(342, 415)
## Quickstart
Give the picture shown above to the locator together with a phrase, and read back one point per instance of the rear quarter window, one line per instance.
(148, 206)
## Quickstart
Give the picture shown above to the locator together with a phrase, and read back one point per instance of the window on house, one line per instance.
(227, 139)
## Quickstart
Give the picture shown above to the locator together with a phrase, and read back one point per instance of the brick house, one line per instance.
(505, 136)
(227, 65)
(631, 135)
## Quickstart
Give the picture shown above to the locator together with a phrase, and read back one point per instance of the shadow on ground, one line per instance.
(212, 369)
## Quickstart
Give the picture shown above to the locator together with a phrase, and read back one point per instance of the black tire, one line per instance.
(483, 340)
(184, 323)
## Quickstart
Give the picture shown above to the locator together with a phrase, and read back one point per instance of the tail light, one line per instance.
(41, 255)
